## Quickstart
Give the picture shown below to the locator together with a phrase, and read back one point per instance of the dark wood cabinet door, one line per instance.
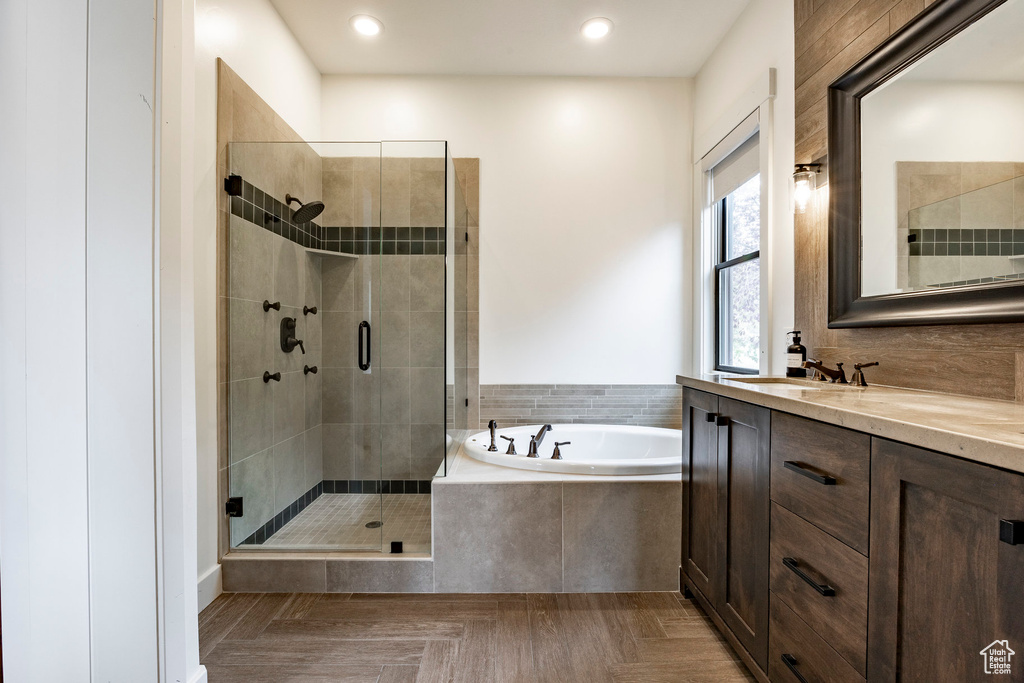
(700, 490)
(743, 512)
(942, 586)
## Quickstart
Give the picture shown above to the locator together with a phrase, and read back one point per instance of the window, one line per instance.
(736, 185)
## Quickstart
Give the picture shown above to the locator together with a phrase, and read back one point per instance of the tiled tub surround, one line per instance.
(647, 405)
(503, 530)
(959, 223)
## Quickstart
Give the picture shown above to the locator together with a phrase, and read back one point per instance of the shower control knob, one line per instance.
(307, 310)
(306, 370)
(267, 305)
(267, 376)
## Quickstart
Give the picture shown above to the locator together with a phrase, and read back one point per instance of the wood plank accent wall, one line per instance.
(977, 360)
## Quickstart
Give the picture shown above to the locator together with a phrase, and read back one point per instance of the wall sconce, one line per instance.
(805, 181)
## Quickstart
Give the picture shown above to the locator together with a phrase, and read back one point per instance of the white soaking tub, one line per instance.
(594, 449)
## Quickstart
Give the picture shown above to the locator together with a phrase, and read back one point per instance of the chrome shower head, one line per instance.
(306, 212)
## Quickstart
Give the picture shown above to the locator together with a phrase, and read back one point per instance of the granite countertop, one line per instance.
(982, 430)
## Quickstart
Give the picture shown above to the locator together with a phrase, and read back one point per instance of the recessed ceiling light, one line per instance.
(596, 28)
(367, 25)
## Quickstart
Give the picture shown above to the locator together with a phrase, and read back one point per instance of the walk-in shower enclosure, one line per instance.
(341, 345)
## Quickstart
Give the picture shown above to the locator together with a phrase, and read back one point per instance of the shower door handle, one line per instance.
(364, 347)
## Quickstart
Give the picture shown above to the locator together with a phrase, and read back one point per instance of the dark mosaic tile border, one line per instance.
(260, 208)
(284, 516)
(982, 280)
(966, 242)
(390, 486)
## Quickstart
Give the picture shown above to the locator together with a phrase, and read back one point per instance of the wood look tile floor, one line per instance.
(407, 638)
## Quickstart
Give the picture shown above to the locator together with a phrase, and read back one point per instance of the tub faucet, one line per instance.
(535, 441)
(511, 445)
(557, 455)
(492, 425)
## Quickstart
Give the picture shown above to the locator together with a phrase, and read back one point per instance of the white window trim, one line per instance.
(751, 115)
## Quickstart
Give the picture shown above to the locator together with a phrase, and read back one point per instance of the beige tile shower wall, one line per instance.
(268, 433)
(649, 405)
(414, 188)
(467, 294)
(982, 360)
(403, 397)
(274, 432)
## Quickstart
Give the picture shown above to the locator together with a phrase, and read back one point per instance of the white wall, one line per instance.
(584, 195)
(761, 38)
(926, 121)
(85, 560)
(254, 41)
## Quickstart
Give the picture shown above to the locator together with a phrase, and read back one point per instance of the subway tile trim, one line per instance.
(965, 242)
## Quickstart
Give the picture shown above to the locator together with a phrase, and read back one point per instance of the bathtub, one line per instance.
(595, 449)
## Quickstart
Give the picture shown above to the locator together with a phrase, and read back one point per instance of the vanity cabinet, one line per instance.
(726, 511)
(943, 586)
(884, 562)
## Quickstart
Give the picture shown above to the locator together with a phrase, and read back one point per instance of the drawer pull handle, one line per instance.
(823, 588)
(721, 421)
(800, 469)
(790, 662)
(710, 417)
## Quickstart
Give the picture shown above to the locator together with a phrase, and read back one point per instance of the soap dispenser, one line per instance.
(796, 354)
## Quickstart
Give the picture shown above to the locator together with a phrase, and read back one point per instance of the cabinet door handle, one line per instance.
(1011, 531)
(790, 662)
(721, 421)
(823, 588)
(710, 417)
(801, 470)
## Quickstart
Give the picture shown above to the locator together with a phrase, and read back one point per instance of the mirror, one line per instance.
(927, 172)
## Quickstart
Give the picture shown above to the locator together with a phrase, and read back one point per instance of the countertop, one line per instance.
(983, 430)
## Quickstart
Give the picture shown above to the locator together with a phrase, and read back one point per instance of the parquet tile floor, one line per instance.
(475, 638)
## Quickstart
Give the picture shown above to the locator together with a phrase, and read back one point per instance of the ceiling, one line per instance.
(511, 37)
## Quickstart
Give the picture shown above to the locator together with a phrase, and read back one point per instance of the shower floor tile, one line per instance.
(337, 521)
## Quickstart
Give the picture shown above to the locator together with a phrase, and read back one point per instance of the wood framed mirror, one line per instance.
(926, 173)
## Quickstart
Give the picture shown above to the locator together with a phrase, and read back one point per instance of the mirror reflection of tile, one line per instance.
(959, 223)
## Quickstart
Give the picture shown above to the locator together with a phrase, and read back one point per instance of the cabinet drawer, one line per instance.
(836, 605)
(792, 640)
(821, 473)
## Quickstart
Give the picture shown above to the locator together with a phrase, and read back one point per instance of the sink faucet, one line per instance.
(837, 376)
(858, 375)
(535, 441)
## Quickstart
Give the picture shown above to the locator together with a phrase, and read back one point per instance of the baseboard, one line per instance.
(210, 586)
(199, 675)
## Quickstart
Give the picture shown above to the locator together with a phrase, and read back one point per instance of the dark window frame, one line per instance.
(722, 264)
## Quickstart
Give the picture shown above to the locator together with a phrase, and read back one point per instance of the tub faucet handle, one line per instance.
(532, 453)
(511, 445)
(492, 426)
(557, 455)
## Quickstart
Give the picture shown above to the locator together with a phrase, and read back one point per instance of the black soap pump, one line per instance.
(796, 354)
